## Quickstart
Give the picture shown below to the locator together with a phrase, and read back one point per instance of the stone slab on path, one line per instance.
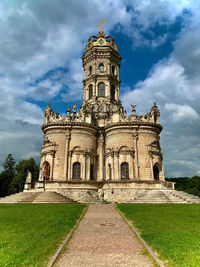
(103, 239)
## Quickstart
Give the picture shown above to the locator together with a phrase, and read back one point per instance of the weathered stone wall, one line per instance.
(114, 192)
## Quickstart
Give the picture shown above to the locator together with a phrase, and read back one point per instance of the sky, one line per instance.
(41, 44)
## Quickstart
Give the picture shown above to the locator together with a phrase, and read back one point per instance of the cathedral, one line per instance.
(98, 151)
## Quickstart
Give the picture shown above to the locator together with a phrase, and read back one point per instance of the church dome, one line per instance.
(101, 40)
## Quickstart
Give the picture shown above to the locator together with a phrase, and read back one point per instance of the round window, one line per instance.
(101, 41)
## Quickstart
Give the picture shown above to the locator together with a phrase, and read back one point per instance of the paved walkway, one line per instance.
(103, 239)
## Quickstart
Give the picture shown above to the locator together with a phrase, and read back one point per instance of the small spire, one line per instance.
(68, 111)
(48, 107)
(101, 33)
(101, 25)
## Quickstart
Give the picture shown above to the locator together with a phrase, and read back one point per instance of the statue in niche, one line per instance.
(28, 177)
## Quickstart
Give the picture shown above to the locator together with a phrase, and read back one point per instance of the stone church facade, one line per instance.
(99, 151)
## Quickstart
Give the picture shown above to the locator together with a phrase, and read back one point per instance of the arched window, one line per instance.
(155, 118)
(112, 92)
(46, 171)
(90, 70)
(110, 171)
(91, 172)
(101, 67)
(101, 88)
(113, 70)
(90, 91)
(155, 172)
(76, 170)
(124, 170)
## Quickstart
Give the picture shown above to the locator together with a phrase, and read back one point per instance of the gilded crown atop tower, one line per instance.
(101, 40)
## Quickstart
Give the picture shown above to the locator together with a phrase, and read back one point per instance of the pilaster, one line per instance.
(136, 161)
(101, 158)
(67, 138)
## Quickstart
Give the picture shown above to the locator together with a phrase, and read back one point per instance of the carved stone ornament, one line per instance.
(154, 148)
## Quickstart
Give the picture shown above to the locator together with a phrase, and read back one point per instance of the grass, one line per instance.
(173, 231)
(30, 233)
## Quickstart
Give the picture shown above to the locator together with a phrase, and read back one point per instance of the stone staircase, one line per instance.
(184, 196)
(36, 197)
(165, 196)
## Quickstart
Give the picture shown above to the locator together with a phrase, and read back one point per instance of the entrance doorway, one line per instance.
(46, 171)
(155, 172)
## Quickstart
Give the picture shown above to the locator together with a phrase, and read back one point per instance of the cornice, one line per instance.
(101, 53)
(105, 76)
(69, 125)
(134, 125)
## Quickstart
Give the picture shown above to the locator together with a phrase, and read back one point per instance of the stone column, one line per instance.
(52, 166)
(116, 166)
(151, 166)
(84, 89)
(84, 167)
(89, 164)
(112, 170)
(106, 168)
(101, 158)
(162, 171)
(41, 168)
(131, 166)
(109, 89)
(69, 166)
(95, 88)
(136, 161)
(67, 137)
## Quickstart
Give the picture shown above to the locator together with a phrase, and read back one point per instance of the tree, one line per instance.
(22, 168)
(9, 165)
(189, 185)
(7, 175)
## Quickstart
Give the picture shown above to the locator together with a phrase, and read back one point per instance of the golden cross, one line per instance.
(101, 25)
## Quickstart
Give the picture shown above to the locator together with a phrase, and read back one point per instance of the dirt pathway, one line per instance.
(103, 239)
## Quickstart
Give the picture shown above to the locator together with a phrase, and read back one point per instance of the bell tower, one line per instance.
(101, 63)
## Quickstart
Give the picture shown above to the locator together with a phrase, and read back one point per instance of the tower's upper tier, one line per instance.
(101, 40)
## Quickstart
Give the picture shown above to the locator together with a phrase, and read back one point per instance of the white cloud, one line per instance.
(174, 83)
(40, 36)
(181, 112)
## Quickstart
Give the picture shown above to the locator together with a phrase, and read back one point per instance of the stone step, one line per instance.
(161, 196)
(20, 197)
(184, 196)
(37, 197)
(52, 197)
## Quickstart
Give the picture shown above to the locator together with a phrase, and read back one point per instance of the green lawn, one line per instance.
(173, 231)
(30, 233)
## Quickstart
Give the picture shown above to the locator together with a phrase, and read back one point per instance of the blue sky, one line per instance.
(40, 53)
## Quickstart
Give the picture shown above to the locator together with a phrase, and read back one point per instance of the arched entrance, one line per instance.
(76, 170)
(155, 172)
(46, 171)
